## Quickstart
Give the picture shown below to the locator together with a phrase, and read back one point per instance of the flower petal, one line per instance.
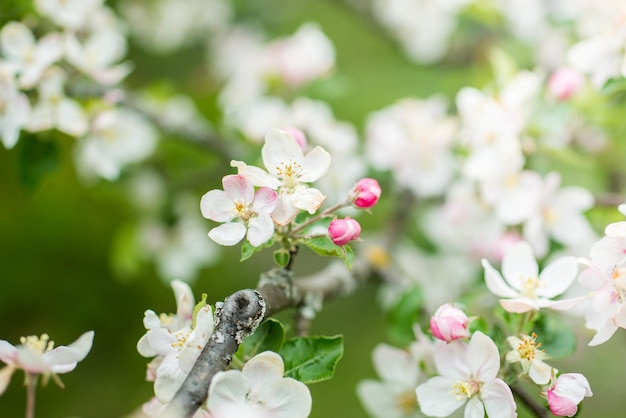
(227, 389)
(238, 188)
(557, 277)
(307, 198)
(498, 399)
(483, 357)
(5, 377)
(264, 200)
(285, 211)
(518, 264)
(379, 400)
(316, 164)
(260, 229)
(496, 283)
(280, 147)
(436, 397)
(63, 359)
(217, 206)
(228, 234)
(474, 409)
(518, 305)
(257, 176)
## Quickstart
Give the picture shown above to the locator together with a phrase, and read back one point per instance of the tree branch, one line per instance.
(537, 410)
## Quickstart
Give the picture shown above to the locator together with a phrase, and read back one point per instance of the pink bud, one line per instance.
(365, 193)
(298, 135)
(566, 393)
(342, 231)
(564, 83)
(449, 323)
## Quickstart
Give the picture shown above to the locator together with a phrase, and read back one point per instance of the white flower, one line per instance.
(394, 395)
(467, 375)
(54, 109)
(259, 390)
(239, 202)
(70, 14)
(30, 57)
(289, 169)
(526, 351)
(118, 137)
(566, 393)
(523, 288)
(37, 355)
(559, 214)
(14, 107)
(176, 340)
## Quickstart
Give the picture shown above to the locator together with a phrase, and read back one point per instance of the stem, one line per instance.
(323, 214)
(31, 383)
(537, 410)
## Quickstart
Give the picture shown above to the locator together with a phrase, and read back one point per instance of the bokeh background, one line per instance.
(63, 269)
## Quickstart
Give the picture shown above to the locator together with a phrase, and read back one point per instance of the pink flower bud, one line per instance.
(564, 83)
(566, 393)
(342, 231)
(449, 323)
(365, 193)
(298, 135)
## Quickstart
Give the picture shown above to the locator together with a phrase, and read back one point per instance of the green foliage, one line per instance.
(270, 335)
(38, 157)
(312, 359)
(282, 257)
(404, 314)
(248, 250)
(556, 337)
(325, 246)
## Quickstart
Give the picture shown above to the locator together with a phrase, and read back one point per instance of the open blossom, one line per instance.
(14, 104)
(259, 390)
(175, 340)
(288, 171)
(467, 376)
(238, 202)
(566, 393)
(37, 355)
(393, 396)
(526, 351)
(449, 323)
(71, 14)
(524, 288)
(342, 231)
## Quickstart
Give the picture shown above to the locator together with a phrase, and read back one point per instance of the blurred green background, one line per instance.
(56, 235)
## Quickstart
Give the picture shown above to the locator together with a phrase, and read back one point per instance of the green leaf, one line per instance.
(197, 309)
(37, 159)
(324, 246)
(270, 335)
(248, 250)
(282, 257)
(403, 315)
(311, 359)
(556, 337)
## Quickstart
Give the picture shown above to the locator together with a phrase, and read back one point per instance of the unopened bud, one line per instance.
(449, 323)
(365, 193)
(342, 231)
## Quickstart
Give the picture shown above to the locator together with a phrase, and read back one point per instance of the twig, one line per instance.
(537, 410)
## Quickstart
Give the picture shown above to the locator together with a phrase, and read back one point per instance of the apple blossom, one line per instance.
(175, 340)
(289, 169)
(14, 106)
(566, 392)
(342, 231)
(70, 14)
(394, 395)
(449, 323)
(365, 193)
(468, 375)
(526, 351)
(37, 356)
(238, 202)
(523, 288)
(259, 390)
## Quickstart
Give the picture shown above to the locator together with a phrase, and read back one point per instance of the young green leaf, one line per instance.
(325, 246)
(282, 257)
(268, 336)
(311, 359)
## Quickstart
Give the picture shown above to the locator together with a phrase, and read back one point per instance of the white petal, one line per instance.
(518, 264)
(483, 357)
(7, 351)
(560, 305)
(185, 301)
(16, 40)
(260, 229)
(451, 360)
(498, 399)
(70, 118)
(604, 333)
(60, 357)
(307, 198)
(5, 377)
(540, 372)
(257, 176)
(474, 409)
(557, 277)
(289, 399)
(379, 400)
(280, 147)
(436, 397)
(264, 200)
(228, 234)
(519, 305)
(316, 164)
(217, 206)
(227, 388)
(495, 282)
(285, 211)
(395, 365)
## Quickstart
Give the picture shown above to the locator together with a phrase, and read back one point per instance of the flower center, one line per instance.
(529, 287)
(39, 344)
(181, 338)
(406, 402)
(528, 347)
(242, 210)
(465, 389)
(289, 172)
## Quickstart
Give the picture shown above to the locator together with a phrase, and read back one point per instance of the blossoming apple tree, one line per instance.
(466, 208)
